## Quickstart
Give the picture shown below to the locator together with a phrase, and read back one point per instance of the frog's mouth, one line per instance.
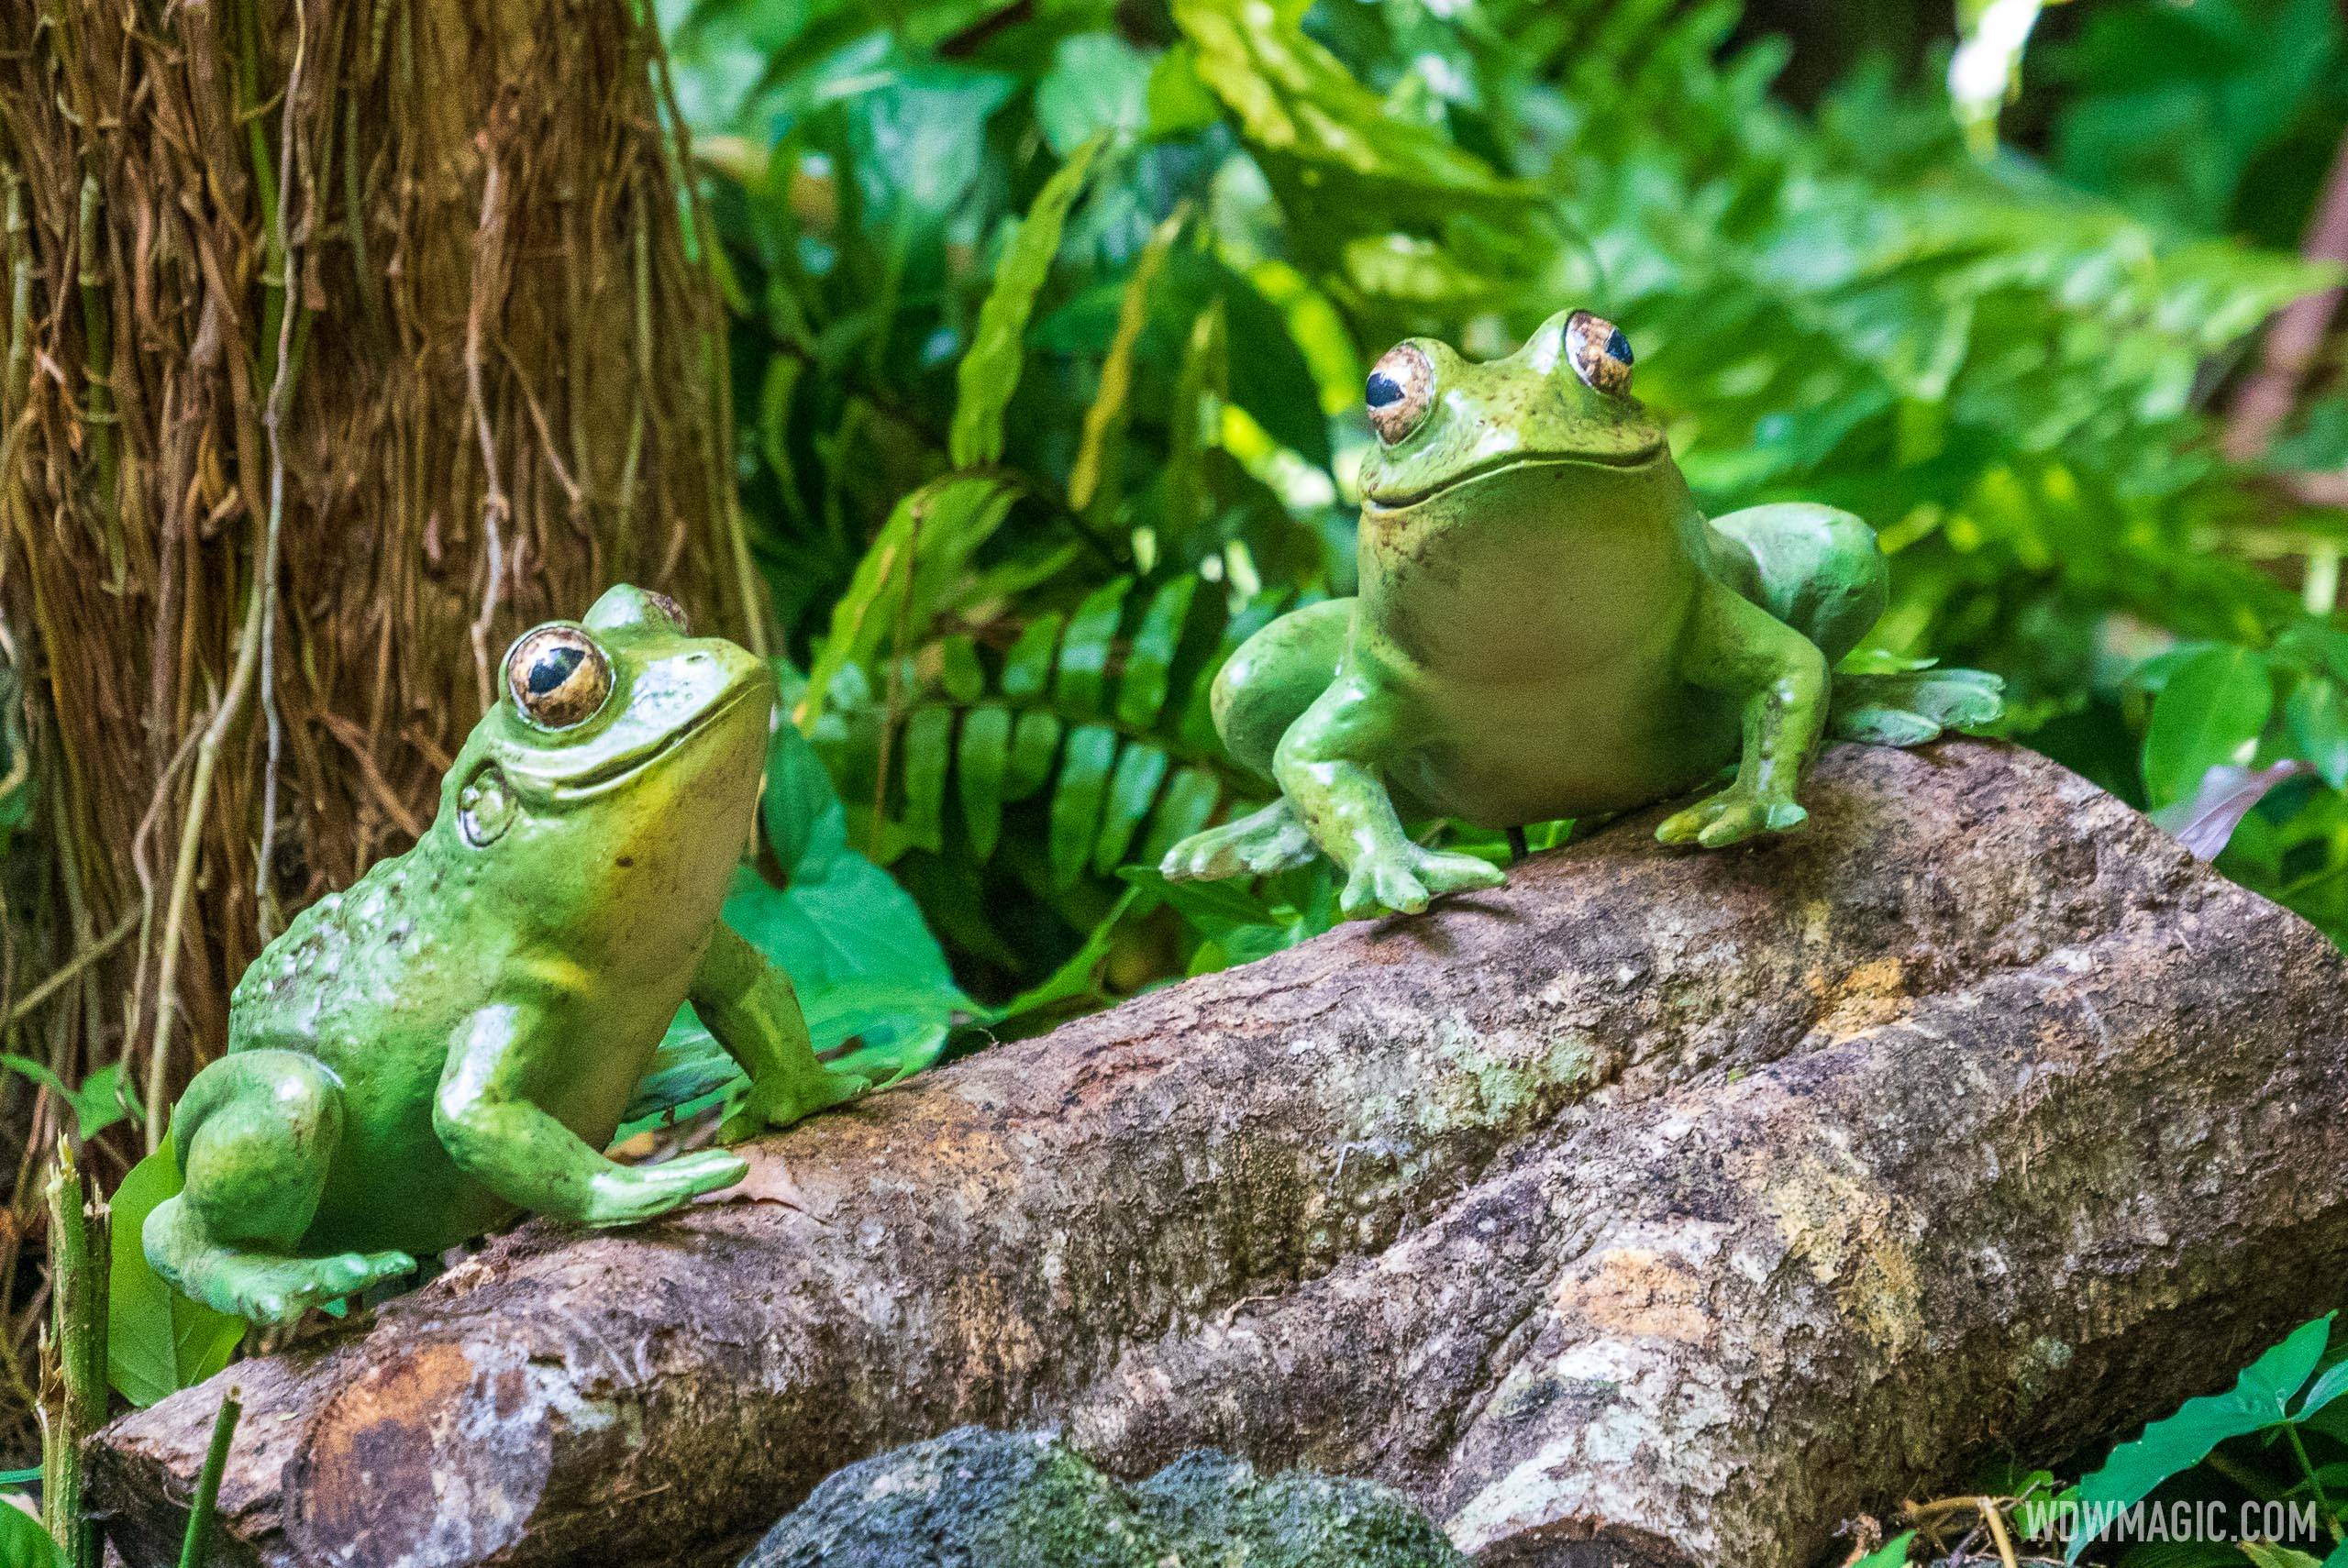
(1513, 462)
(607, 772)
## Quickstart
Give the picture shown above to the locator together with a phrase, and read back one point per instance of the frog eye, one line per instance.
(1601, 355)
(672, 609)
(558, 676)
(1400, 392)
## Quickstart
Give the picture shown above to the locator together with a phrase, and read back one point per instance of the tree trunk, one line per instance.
(341, 342)
(1663, 1207)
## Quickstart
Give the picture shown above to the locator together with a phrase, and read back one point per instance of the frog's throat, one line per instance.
(612, 771)
(1509, 463)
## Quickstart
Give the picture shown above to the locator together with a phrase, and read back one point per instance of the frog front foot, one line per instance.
(1733, 815)
(625, 1194)
(1258, 844)
(1403, 880)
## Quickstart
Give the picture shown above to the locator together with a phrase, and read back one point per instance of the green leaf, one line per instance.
(1141, 768)
(1293, 98)
(854, 943)
(1149, 663)
(1093, 476)
(1085, 650)
(959, 674)
(1892, 1553)
(920, 140)
(989, 372)
(984, 753)
(2266, 1554)
(775, 394)
(1195, 421)
(1034, 744)
(2324, 1390)
(2260, 1398)
(158, 1340)
(2212, 704)
(1098, 87)
(1027, 668)
(23, 1542)
(96, 1104)
(929, 736)
(1076, 803)
(907, 576)
(2317, 715)
(1079, 976)
(1184, 807)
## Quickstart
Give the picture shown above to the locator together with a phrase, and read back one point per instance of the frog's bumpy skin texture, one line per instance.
(452, 1040)
(1548, 627)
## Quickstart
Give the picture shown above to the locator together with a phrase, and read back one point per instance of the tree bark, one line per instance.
(338, 342)
(1663, 1207)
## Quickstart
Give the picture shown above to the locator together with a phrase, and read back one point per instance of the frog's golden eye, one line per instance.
(672, 609)
(1400, 392)
(1601, 354)
(558, 676)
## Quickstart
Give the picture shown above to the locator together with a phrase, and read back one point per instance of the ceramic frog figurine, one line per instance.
(454, 1038)
(1548, 627)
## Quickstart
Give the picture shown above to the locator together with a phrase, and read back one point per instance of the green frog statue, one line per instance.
(1548, 627)
(452, 1040)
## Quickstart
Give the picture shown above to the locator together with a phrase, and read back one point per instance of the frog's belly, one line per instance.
(391, 1182)
(1506, 754)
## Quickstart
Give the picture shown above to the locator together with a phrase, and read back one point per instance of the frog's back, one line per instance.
(361, 967)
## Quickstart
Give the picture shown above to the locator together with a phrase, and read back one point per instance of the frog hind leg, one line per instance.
(255, 1134)
(1821, 571)
(1910, 707)
(1263, 688)
(1818, 569)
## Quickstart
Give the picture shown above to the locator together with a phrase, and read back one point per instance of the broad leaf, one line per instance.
(2260, 1398)
(2213, 705)
(858, 954)
(158, 1342)
(2317, 715)
(23, 1542)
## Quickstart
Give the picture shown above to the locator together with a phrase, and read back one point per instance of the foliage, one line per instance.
(1012, 559)
(865, 967)
(98, 1105)
(2278, 1436)
(2261, 1401)
(23, 1542)
(158, 1340)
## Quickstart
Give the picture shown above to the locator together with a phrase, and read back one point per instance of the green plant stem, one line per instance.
(77, 1404)
(208, 1481)
(199, 794)
(2300, 1451)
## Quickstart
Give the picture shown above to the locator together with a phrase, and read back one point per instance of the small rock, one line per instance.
(976, 1498)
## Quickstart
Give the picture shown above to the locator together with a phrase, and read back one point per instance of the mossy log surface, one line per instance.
(1663, 1208)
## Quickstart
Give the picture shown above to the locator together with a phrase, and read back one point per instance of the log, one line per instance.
(1663, 1207)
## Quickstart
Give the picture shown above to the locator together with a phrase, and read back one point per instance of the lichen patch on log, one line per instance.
(1663, 1208)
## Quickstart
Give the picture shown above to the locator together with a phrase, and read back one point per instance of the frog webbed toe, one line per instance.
(1733, 815)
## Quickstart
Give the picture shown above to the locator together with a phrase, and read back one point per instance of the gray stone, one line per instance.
(976, 1498)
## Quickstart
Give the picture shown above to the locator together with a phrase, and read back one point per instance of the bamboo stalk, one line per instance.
(77, 1262)
(208, 1481)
